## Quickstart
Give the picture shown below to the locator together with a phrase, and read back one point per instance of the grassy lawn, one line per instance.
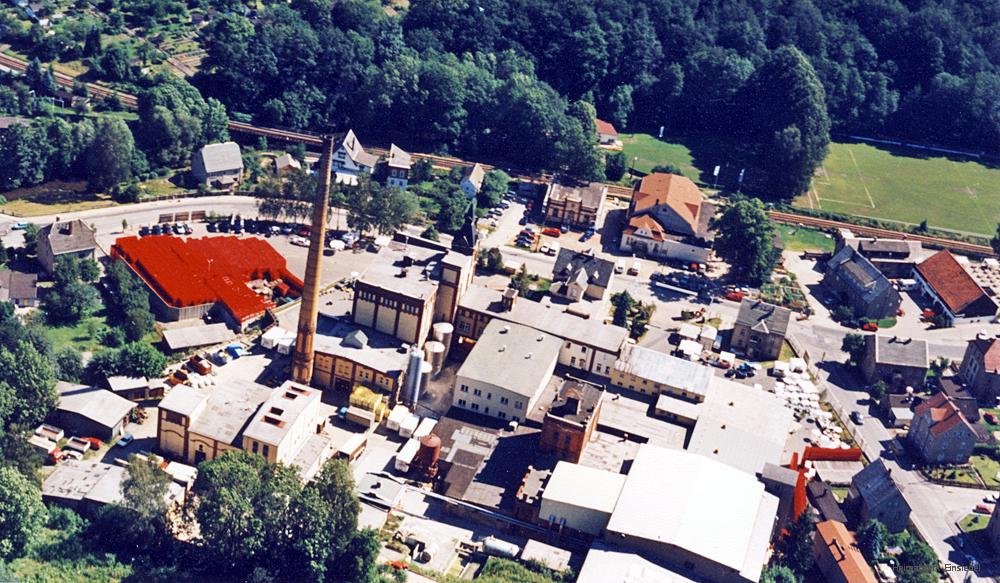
(863, 180)
(53, 198)
(799, 239)
(974, 522)
(840, 492)
(787, 353)
(988, 469)
(165, 186)
(79, 336)
(957, 475)
(650, 151)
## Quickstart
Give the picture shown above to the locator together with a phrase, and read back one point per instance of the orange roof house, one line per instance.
(953, 289)
(673, 201)
(837, 555)
(940, 432)
(606, 132)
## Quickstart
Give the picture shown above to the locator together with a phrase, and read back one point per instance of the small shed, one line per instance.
(91, 411)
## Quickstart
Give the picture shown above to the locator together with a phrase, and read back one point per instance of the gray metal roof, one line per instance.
(512, 357)
(855, 270)
(68, 237)
(665, 369)
(221, 157)
(99, 405)
(763, 317)
(876, 485)
(199, 335)
(17, 286)
(340, 337)
(894, 350)
(399, 158)
(571, 264)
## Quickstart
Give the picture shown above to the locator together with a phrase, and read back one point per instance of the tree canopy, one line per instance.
(745, 240)
(22, 513)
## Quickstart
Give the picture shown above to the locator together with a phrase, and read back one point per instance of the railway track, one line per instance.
(952, 245)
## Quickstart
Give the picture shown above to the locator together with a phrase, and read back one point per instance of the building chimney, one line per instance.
(302, 359)
(509, 299)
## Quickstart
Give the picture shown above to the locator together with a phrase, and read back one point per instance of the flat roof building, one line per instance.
(713, 521)
(608, 564)
(348, 355)
(651, 372)
(506, 371)
(580, 498)
(571, 419)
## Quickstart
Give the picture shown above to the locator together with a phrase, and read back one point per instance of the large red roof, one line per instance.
(191, 272)
(950, 281)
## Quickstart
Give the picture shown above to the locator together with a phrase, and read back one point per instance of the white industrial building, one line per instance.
(580, 498)
(708, 519)
(506, 371)
(606, 564)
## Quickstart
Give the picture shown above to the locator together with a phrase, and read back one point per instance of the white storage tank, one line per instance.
(425, 376)
(443, 333)
(435, 355)
(500, 548)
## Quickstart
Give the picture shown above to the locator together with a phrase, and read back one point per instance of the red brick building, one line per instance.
(571, 419)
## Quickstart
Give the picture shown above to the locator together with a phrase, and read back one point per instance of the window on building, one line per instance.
(568, 345)
(461, 402)
(253, 447)
(518, 405)
(464, 389)
(489, 396)
(501, 415)
(486, 410)
(174, 418)
(475, 406)
(477, 392)
(572, 361)
(583, 349)
(566, 439)
(504, 400)
(267, 450)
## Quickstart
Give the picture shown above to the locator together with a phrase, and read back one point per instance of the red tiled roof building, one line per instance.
(940, 432)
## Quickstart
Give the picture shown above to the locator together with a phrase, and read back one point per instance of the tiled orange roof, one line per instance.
(841, 546)
(645, 222)
(944, 414)
(677, 192)
(604, 127)
(950, 281)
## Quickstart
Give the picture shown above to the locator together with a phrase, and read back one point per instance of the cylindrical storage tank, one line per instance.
(443, 332)
(430, 450)
(500, 548)
(425, 376)
(435, 355)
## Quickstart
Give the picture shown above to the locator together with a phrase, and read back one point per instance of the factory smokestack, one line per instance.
(302, 359)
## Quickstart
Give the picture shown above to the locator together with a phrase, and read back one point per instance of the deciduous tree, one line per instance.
(22, 513)
(746, 240)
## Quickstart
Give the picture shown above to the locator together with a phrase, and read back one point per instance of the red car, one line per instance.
(94, 442)
(735, 296)
(991, 418)
(870, 327)
(551, 232)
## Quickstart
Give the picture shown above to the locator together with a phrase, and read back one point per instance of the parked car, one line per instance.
(619, 267)
(634, 268)
(349, 238)
(735, 296)
(213, 227)
(869, 327)
(20, 226)
(286, 229)
(299, 241)
(94, 442)
(983, 509)
(857, 418)
(563, 229)
(303, 231)
(144, 231)
(551, 232)
(125, 440)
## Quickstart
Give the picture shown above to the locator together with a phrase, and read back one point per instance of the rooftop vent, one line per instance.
(277, 411)
(503, 348)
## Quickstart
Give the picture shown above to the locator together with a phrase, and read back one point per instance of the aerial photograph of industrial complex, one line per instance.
(499, 291)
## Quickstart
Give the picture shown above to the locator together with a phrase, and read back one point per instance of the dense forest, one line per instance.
(475, 75)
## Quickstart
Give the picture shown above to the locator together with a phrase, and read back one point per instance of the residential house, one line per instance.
(574, 203)
(286, 164)
(91, 412)
(668, 217)
(895, 258)
(897, 361)
(70, 238)
(607, 135)
(397, 167)
(981, 368)
(589, 345)
(955, 294)
(472, 180)
(571, 419)
(506, 371)
(577, 275)
(218, 165)
(760, 330)
(350, 159)
(861, 285)
(993, 530)
(837, 555)
(874, 494)
(960, 396)
(940, 432)
(20, 289)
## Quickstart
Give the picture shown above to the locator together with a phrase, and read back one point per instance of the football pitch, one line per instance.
(860, 179)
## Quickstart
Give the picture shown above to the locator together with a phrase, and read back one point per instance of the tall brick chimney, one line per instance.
(302, 359)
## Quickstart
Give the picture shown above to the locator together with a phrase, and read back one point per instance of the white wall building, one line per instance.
(580, 498)
(506, 371)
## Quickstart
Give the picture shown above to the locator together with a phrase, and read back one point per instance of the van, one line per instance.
(634, 269)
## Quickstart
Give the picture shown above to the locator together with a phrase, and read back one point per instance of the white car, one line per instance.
(297, 240)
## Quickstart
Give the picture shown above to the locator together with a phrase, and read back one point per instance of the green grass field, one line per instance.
(859, 179)
(988, 469)
(799, 239)
(649, 151)
(974, 522)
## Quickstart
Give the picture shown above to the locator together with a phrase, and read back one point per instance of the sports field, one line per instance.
(860, 179)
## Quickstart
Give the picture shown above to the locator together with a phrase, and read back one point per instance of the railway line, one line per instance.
(445, 162)
(828, 224)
